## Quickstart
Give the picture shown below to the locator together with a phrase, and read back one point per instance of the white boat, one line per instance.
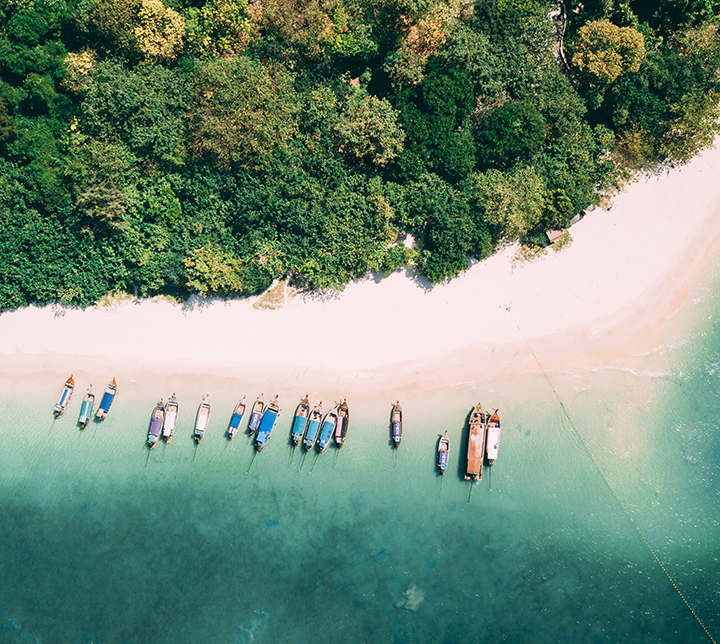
(171, 412)
(493, 437)
(201, 422)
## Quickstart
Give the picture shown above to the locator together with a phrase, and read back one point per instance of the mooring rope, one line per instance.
(607, 481)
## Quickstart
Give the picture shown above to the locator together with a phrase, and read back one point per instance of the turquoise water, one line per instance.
(103, 541)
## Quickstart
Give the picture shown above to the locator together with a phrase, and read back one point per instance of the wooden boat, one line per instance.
(171, 413)
(107, 400)
(476, 444)
(256, 415)
(328, 429)
(156, 424)
(266, 424)
(493, 437)
(65, 394)
(236, 418)
(313, 427)
(201, 421)
(301, 420)
(343, 421)
(443, 452)
(396, 423)
(86, 408)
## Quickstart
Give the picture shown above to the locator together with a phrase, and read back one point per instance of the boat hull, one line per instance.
(201, 422)
(493, 438)
(86, 411)
(171, 413)
(64, 397)
(343, 423)
(476, 444)
(443, 454)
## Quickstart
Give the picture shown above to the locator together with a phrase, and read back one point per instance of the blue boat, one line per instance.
(443, 453)
(301, 420)
(86, 408)
(236, 418)
(65, 394)
(266, 424)
(256, 415)
(107, 400)
(313, 427)
(156, 423)
(328, 428)
(396, 422)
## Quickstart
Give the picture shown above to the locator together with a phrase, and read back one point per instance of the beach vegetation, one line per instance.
(218, 147)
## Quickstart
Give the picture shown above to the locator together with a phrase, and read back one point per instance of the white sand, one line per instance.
(604, 299)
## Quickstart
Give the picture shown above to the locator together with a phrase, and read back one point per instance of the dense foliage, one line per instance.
(170, 146)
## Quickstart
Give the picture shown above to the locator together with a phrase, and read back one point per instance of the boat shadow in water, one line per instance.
(463, 446)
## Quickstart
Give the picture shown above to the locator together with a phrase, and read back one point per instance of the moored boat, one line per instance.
(300, 421)
(313, 427)
(266, 424)
(343, 421)
(396, 423)
(328, 429)
(201, 421)
(476, 444)
(443, 452)
(156, 423)
(493, 437)
(107, 400)
(256, 415)
(86, 408)
(171, 413)
(65, 394)
(236, 419)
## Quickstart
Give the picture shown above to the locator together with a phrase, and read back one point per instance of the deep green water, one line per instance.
(101, 541)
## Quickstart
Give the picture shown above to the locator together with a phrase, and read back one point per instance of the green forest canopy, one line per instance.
(177, 146)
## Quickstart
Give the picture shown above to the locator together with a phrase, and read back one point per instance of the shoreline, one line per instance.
(604, 301)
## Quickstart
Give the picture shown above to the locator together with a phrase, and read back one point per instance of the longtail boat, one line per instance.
(171, 413)
(443, 452)
(107, 400)
(86, 408)
(256, 415)
(236, 419)
(266, 424)
(313, 427)
(301, 420)
(201, 421)
(156, 423)
(328, 429)
(65, 394)
(396, 423)
(493, 437)
(342, 424)
(476, 444)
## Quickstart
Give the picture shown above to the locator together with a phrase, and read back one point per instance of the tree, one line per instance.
(213, 271)
(509, 203)
(512, 132)
(244, 113)
(434, 116)
(219, 28)
(604, 51)
(368, 129)
(159, 32)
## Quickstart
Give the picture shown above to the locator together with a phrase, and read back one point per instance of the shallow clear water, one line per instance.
(103, 541)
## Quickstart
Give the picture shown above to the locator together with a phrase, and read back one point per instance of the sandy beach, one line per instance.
(604, 300)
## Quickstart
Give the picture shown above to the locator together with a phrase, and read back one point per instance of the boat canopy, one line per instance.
(106, 400)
